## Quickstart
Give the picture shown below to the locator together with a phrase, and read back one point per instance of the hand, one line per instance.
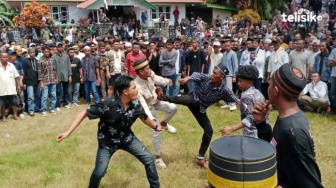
(56, 80)
(226, 131)
(159, 93)
(238, 101)
(279, 186)
(260, 110)
(183, 73)
(170, 83)
(158, 128)
(81, 80)
(108, 76)
(70, 79)
(62, 136)
(234, 80)
(182, 81)
(24, 86)
(18, 89)
(41, 85)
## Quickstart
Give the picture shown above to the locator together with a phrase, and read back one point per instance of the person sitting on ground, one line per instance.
(318, 99)
(246, 76)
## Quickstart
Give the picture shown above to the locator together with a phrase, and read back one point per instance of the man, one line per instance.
(116, 59)
(78, 54)
(215, 57)
(312, 54)
(291, 133)
(332, 64)
(117, 115)
(245, 57)
(250, 96)
(133, 57)
(195, 61)
(277, 58)
(209, 91)
(64, 75)
(77, 77)
(321, 63)
(104, 66)
(153, 57)
(318, 99)
(10, 86)
(180, 64)
(91, 75)
(146, 81)
(259, 63)
(167, 63)
(30, 82)
(230, 60)
(300, 59)
(48, 79)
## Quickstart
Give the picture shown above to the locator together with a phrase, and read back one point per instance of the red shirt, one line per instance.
(130, 60)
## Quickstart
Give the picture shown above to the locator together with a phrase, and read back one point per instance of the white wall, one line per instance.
(181, 8)
(222, 13)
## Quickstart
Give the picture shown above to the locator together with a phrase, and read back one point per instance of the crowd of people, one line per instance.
(234, 61)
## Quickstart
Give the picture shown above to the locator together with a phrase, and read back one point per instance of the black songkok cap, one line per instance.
(290, 80)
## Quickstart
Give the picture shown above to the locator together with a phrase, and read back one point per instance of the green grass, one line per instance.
(31, 157)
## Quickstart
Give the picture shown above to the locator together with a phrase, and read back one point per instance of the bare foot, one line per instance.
(15, 118)
(4, 120)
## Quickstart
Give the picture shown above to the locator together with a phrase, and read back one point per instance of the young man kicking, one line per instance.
(209, 90)
(117, 115)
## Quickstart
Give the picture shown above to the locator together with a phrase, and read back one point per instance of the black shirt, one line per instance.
(295, 153)
(154, 62)
(114, 127)
(30, 71)
(196, 60)
(75, 66)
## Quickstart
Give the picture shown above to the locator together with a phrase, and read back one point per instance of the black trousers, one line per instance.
(202, 118)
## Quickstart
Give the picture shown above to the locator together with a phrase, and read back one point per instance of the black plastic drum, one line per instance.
(241, 161)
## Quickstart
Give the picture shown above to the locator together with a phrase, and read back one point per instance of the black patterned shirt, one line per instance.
(206, 95)
(114, 127)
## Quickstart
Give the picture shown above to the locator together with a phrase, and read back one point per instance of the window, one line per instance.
(161, 9)
(59, 12)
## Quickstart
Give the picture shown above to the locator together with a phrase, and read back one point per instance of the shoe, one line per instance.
(201, 163)
(170, 129)
(67, 106)
(159, 162)
(75, 104)
(21, 116)
(32, 114)
(234, 107)
(52, 112)
(58, 109)
(225, 106)
(43, 113)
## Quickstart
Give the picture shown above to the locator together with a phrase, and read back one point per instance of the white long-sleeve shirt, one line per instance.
(319, 91)
(277, 59)
(260, 62)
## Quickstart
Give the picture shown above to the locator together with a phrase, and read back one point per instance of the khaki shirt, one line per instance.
(146, 91)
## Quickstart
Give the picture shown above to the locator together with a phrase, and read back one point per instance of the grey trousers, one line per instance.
(170, 109)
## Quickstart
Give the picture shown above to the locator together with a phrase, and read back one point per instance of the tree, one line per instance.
(32, 14)
(6, 13)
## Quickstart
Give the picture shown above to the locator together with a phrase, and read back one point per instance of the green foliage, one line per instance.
(6, 14)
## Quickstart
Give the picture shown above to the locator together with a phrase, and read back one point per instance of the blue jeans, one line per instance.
(91, 85)
(33, 98)
(73, 92)
(175, 88)
(51, 90)
(62, 93)
(333, 93)
(138, 150)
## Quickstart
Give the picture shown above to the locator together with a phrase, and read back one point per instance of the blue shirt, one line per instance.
(89, 68)
(231, 61)
(332, 56)
(206, 95)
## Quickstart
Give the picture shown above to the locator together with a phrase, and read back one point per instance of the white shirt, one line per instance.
(215, 60)
(276, 60)
(117, 62)
(319, 91)
(245, 58)
(80, 55)
(311, 59)
(7, 79)
(177, 64)
(260, 62)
